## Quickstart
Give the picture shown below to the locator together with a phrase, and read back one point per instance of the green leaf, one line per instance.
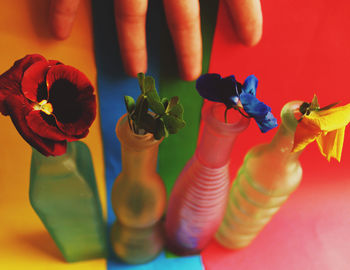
(130, 104)
(160, 129)
(148, 123)
(173, 101)
(166, 131)
(165, 102)
(328, 106)
(149, 84)
(314, 104)
(141, 79)
(173, 124)
(177, 111)
(141, 110)
(154, 102)
(153, 97)
(166, 117)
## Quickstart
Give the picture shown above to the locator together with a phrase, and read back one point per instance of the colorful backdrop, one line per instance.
(304, 50)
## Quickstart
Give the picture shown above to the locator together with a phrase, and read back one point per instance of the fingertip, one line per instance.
(133, 72)
(190, 66)
(59, 32)
(247, 19)
(61, 17)
(251, 38)
(132, 68)
(191, 74)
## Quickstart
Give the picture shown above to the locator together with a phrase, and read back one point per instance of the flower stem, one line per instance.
(245, 115)
(226, 114)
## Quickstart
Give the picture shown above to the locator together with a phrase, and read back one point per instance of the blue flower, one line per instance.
(230, 92)
(213, 87)
(255, 108)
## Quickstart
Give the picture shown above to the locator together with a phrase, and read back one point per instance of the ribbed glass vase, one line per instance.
(138, 198)
(64, 194)
(198, 199)
(269, 174)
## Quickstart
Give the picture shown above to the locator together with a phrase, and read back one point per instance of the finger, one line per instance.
(247, 18)
(130, 19)
(184, 24)
(61, 17)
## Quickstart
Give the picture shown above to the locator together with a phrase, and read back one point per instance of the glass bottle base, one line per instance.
(137, 245)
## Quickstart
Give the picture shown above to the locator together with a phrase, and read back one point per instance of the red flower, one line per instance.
(48, 102)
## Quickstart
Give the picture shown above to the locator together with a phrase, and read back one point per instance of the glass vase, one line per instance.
(269, 174)
(138, 198)
(64, 194)
(198, 199)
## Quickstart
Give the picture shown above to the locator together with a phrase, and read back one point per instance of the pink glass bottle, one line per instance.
(198, 199)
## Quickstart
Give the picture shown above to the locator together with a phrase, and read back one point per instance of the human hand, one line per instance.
(183, 17)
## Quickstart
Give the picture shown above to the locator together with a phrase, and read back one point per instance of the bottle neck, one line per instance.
(139, 152)
(137, 163)
(283, 141)
(70, 154)
(217, 137)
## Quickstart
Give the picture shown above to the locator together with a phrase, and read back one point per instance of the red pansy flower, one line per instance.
(48, 102)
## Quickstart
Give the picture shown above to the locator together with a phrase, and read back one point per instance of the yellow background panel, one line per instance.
(24, 242)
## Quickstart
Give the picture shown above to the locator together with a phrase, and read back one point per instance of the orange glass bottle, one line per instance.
(138, 198)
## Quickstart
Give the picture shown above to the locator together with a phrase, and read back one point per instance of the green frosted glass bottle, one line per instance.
(269, 174)
(64, 194)
(138, 198)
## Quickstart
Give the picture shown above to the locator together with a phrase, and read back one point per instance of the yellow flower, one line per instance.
(327, 127)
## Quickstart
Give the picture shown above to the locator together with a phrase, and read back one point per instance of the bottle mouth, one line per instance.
(214, 115)
(125, 134)
(71, 152)
(290, 114)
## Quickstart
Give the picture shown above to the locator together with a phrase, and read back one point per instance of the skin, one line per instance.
(183, 17)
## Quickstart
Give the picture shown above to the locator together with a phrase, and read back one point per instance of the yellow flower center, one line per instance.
(43, 106)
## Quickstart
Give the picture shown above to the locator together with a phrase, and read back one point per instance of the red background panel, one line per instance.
(305, 49)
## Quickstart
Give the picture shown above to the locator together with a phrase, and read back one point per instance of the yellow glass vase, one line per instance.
(269, 174)
(138, 198)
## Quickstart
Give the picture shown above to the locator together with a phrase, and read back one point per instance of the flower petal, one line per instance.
(19, 107)
(215, 88)
(10, 81)
(54, 62)
(253, 106)
(267, 123)
(46, 129)
(331, 119)
(71, 95)
(45, 126)
(327, 127)
(250, 85)
(331, 144)
(259, 111)
(34, 83)
(305, 133)
(3, 94)
(71, 138)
